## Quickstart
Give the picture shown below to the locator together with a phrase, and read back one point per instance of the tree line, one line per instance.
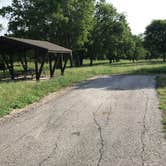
(94, 30)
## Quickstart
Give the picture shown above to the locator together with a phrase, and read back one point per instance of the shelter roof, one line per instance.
(49, 47)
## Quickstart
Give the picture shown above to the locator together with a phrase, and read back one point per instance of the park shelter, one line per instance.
(43, 51)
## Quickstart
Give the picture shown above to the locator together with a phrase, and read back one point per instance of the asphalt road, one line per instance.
(107, 121)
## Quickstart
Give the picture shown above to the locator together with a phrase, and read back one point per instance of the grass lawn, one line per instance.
(161, 88)
(15, 95)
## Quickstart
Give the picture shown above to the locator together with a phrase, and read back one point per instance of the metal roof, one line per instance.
(50, 47)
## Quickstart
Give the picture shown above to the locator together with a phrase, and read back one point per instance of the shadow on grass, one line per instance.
(137, 63)
(152, 70)
(123, 63)
(161, 83)
(96, 64)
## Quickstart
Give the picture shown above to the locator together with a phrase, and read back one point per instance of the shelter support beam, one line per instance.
(10, 64)
(24, 62)
(63, 63)
(53, 63)
(39, 69)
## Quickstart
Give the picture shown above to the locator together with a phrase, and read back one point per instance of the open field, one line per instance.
(18, 94)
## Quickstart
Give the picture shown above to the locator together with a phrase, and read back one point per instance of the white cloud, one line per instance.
(141, 12)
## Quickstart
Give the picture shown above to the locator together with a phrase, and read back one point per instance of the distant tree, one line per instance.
(155, 38)
(111, 32)
(139, 52)
(102, 34)
(124, 40)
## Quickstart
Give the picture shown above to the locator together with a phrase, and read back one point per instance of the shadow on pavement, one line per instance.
(120, 82)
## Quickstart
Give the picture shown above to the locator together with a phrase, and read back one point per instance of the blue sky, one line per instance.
(139, 12)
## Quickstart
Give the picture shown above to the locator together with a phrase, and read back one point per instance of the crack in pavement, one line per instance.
(55, 148)
(144, 130)
(128, 135)
(26, 134)
(49, 156)
(101, 150)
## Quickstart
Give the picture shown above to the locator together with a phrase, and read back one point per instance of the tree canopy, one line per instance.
(67, 21)
(94, 30)
(111, 36)
(155, 38)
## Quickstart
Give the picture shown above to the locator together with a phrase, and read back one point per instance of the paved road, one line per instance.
(108, 121)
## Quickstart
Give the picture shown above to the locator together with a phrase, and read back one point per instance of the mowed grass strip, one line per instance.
(161, 88)
(14, 95)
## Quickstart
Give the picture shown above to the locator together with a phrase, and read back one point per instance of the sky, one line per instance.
(2, 20)
(139, 13)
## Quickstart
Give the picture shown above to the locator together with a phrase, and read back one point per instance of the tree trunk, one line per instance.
(164, 58)
(81, 59)
(91, 62)
(71, 61)
(76, 59)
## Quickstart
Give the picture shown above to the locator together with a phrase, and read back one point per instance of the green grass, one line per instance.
(14, 95)
(161, 88)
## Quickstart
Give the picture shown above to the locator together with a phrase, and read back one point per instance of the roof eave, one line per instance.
(61, 52)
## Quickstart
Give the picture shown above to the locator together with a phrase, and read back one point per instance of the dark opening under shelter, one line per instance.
(14, 50)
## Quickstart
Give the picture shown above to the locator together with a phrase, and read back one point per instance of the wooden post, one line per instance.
(50, 66)
(65, 63)
(36, 65)
(55, 63)
(37, 69)
(42, 64)
(26, 63)
(71, 60)
(61, 64)
(64, 60)
(12, 67)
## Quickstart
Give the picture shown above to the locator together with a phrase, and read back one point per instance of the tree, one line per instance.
(29, 18)
(0, 27)
(66, 22)
(74, 32)
(69, 21)
(101, 37)
(155, 37)
(111, 32)
(124, 41)
(138, 50)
